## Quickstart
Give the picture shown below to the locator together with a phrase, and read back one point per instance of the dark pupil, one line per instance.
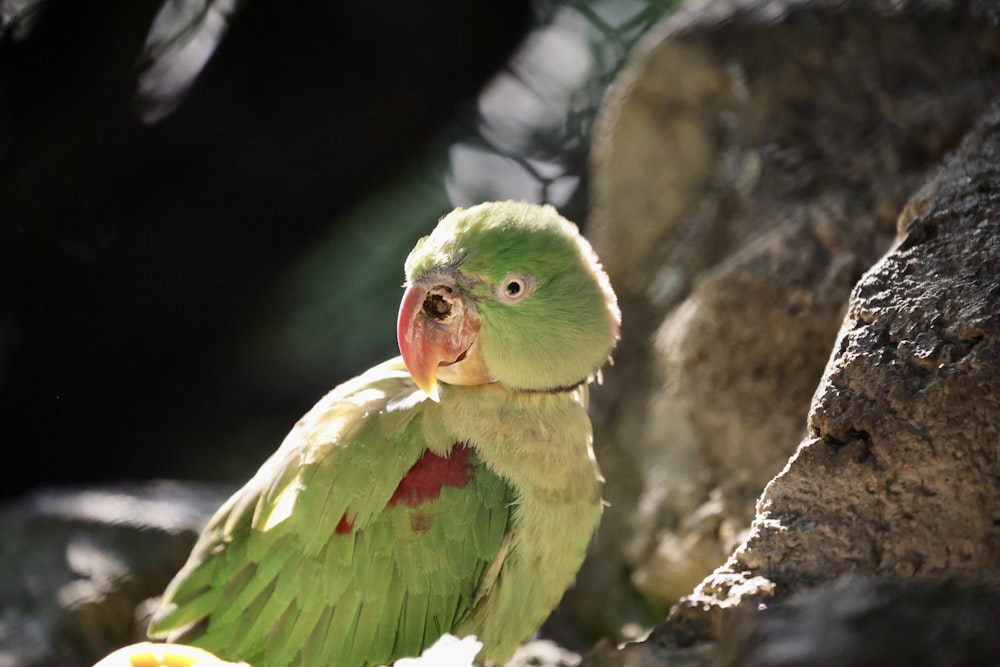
(513, 288)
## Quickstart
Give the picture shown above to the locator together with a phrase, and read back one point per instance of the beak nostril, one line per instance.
(437, 305)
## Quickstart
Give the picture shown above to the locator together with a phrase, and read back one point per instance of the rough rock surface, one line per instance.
(898, 474)
(749, 166)
(858, 621)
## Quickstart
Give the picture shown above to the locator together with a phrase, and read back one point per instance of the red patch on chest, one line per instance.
(430, 473)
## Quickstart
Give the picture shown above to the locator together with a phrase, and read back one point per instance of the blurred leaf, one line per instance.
(19, 17)
(183, 36)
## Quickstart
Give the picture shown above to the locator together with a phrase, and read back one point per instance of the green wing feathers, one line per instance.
(334, 554)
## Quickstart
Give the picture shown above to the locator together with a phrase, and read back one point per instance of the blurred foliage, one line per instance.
(163, 166)
(18, 17)
(181, 39)
(187, 265)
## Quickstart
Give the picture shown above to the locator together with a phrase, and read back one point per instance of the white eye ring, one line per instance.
(515, 288)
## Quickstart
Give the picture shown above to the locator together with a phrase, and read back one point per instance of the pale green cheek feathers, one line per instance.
(548, 349)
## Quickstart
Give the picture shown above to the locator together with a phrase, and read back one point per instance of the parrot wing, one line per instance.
(362, 539)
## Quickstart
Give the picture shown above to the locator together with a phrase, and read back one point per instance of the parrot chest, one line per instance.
(540, 444)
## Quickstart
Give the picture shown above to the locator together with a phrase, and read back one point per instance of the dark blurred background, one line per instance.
(205, 206)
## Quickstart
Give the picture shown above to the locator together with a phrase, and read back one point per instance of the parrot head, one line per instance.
(506, 292)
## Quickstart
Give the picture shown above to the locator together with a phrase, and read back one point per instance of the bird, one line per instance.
(452, 489)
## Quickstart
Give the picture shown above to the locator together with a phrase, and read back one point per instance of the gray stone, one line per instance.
(875, 621)
(749, 166)
(75, 564)
(897, 475)
(871, 621)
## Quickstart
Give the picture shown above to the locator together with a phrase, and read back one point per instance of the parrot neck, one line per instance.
(540, 443)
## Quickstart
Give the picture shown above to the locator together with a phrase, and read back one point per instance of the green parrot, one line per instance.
(453, 489)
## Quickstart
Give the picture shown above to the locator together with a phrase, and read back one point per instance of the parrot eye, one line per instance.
(515, 288)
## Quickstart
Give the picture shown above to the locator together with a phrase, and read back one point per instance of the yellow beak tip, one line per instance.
(431, 389)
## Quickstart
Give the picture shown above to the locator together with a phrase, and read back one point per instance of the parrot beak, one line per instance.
(434, 332)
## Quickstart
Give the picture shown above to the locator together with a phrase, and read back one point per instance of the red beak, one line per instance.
(432, 329)
(411, 331)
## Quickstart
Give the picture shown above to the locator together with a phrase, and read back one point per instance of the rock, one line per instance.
(76, 563)
(857, 621)
(897, 476)
(873, 621)
(749, 166)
